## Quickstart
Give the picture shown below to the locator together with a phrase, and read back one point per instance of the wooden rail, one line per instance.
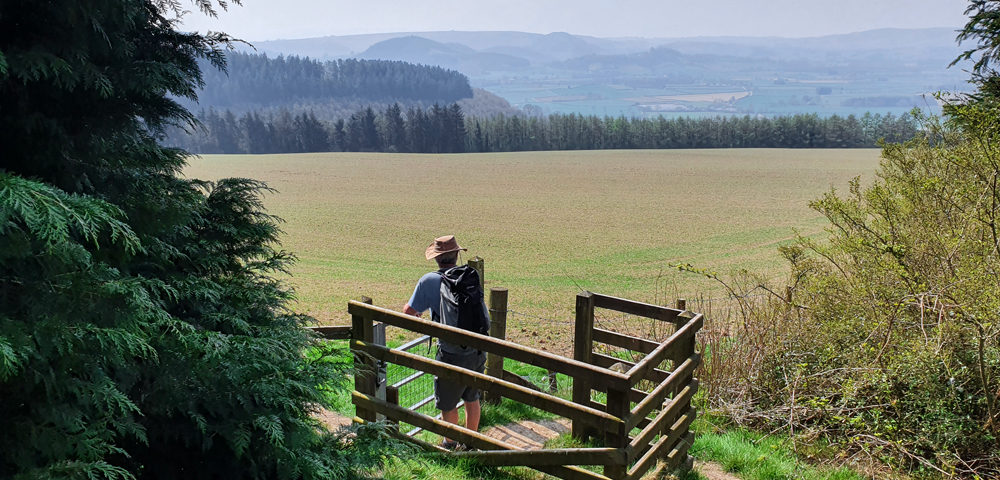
(333, 332)
(669, 364)
(637, 308)
(660, 412)
(670, 348)
(538, 358)
(474, 379)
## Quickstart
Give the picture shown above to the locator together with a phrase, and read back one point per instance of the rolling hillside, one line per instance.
(887, 70)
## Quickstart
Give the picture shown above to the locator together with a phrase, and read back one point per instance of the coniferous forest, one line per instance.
(294, 104)
(445, 129)
(143, 334)
(254, 80)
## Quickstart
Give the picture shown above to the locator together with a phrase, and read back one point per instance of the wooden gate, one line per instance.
(637, 426)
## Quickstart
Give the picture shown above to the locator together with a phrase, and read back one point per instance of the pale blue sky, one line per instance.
(274, 19)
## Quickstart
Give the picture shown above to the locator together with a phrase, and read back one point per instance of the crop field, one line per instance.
(548, 224)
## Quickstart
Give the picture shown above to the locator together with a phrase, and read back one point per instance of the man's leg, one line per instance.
(451, 416)
(472, 412)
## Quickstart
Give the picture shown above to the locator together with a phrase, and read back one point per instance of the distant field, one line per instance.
(694, 97)
(547, 223)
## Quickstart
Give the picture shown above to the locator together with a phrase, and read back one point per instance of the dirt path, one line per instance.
(333, 420)
(713, 471)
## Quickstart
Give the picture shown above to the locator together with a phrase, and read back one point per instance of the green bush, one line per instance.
(890, 342)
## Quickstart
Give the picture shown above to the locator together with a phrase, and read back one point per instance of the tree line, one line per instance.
(445, 129)
(256, 80)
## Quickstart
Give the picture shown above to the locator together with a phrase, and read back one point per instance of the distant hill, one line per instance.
(454, 56)
(561, 46)
(261, 82)
(553, 46)
(566, 73)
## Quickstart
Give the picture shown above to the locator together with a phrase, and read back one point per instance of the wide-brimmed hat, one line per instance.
(442, 245)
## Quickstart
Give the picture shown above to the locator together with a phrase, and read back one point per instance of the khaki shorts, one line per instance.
(446, 392)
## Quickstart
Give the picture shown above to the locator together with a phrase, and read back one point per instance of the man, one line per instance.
(427, 296)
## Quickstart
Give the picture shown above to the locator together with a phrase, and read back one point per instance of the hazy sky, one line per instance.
(273, 19)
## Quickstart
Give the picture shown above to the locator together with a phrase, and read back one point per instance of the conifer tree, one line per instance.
(142, 334)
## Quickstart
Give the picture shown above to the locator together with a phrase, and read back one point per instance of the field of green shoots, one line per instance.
(548, 224)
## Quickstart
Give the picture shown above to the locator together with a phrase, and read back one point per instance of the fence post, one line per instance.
(498, 329)
(619, 406)
(392, 397)
(365, 376)
(683, 354)
(477, 263)
(583, 345)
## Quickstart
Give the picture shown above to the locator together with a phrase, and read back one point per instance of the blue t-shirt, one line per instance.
(427, 296)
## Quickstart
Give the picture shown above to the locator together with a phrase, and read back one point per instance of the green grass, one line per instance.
(433, 467)
(753, 456)
(547, 223)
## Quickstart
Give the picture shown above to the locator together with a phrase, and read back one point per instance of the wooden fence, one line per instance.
(644, 417)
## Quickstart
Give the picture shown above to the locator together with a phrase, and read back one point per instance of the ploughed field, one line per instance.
(548, 224)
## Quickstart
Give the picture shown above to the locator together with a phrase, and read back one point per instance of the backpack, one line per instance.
(462, 300)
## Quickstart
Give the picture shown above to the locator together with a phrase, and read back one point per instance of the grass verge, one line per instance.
(754, 456)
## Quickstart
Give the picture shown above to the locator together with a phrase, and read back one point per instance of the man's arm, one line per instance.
(410, 311)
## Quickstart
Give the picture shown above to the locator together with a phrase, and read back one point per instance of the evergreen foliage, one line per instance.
(254, 81)
(142, 334)
(446, 129)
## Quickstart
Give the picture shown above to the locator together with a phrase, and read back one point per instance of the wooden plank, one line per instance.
(392, 396)
(365, 377)
(636, 308)
(464, 435)
(665, 444)
(478, 264)
(675, 464)
(617, 405)
(666, 417)
(679, 455)
(607, 361)
(687, 347)
(515, 378)
(635, 344)
(576, 369)
(548, 456)
(498, 329)
(333, 332)
(422, 421)
(570, 472)
(545, 401)
(583, 346)
(667, 349)
(670, 385)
